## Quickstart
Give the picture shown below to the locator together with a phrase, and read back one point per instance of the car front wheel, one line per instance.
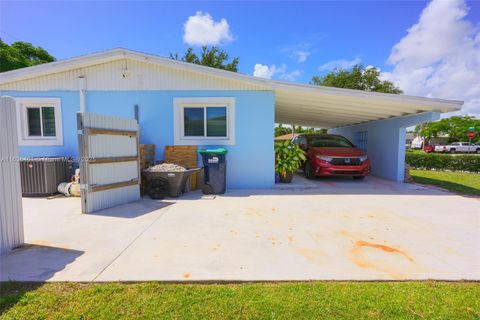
(452, 150)
(308, 170)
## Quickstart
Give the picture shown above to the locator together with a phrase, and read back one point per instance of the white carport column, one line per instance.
(386, 142)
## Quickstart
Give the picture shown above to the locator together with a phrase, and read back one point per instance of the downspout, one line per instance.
(82, 90)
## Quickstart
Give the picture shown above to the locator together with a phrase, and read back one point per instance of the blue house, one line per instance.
(186, 104)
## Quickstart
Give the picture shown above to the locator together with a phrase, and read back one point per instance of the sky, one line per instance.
(427, 48)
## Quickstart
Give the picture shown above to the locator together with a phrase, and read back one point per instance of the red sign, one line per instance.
(471, 135)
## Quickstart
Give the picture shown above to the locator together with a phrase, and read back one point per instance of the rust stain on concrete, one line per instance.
(311, 255)
(317, 237)
(253, 212)
(186, 275)
(358, 257)
(361, 244)
(291, 238)
(273, 240)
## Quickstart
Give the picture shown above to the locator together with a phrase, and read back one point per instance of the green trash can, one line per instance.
(215, 170)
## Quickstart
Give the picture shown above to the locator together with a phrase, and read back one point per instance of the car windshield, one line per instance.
(329, 142)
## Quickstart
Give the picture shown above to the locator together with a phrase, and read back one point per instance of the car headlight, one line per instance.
(327, 159)
(363, 158)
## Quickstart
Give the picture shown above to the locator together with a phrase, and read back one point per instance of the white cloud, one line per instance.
(301, 55)
(291, 76)
(372, 67)
(263, 71)
(299, 52)
(280, 72)
(201, 29)
(339, 64)
(440, 56)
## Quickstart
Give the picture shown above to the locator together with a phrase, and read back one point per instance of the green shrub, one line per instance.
(288, 157)
(437, 161)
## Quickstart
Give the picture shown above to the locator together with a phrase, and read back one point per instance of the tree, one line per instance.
(358, 78)
(21, 54)
(211, 57)
(455, 128)
(280, 130)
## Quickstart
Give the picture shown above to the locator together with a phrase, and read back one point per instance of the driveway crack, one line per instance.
(131, 243)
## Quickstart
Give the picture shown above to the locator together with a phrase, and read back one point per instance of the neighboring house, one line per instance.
(417, 143)
(409, 136)
(186, 104)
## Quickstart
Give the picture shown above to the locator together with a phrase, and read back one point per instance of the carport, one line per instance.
(375, 122)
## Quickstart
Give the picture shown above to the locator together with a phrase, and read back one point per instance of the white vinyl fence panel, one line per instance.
(109, 161)
(11, 214)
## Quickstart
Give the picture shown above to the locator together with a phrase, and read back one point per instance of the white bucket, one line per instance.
(64, 188)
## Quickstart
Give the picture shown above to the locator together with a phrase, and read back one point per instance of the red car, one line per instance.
(427, 148)
(332, 155)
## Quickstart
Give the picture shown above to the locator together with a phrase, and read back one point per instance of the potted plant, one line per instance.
(288, 158)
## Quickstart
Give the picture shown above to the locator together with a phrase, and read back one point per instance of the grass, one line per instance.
(419, 151)
(306, 300)
(459, 182)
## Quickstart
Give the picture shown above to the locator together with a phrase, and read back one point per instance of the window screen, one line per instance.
(216, 121)
(41, 121)
(193, 122)
(34, 127)
(48, 121)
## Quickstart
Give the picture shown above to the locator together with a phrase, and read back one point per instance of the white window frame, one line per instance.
(24, 139)
(179, 104)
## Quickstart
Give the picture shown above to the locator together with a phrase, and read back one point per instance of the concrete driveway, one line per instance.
(336, 229)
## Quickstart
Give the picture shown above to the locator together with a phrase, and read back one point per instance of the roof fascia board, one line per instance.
(59, 66)
(399, 98)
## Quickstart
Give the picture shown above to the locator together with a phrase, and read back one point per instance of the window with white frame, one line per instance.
(204, 121)
(39, 121)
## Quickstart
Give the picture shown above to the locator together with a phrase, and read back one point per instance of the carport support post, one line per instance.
(386, 142)
(82, 153)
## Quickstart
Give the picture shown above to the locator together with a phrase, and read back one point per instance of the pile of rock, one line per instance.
(166, 167)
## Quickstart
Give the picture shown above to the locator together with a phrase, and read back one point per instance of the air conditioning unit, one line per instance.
(41, 176)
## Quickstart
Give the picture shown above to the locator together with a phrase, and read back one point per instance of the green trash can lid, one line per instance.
(217, 151)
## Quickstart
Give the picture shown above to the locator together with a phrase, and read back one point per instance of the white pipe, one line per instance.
(82, 89)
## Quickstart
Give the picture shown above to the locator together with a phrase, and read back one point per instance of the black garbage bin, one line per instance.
(215, 168)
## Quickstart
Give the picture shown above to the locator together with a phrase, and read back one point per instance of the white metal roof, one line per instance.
(295, 103)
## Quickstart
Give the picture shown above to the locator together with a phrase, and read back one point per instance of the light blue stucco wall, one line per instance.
(250, 160)
(386, 142)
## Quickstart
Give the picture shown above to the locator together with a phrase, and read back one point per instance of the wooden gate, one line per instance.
(109, 161)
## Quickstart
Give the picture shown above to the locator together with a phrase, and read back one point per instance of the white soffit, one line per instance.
(328, 107)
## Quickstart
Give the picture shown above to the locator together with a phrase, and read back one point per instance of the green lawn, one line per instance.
(307, 300)
(459, 182)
